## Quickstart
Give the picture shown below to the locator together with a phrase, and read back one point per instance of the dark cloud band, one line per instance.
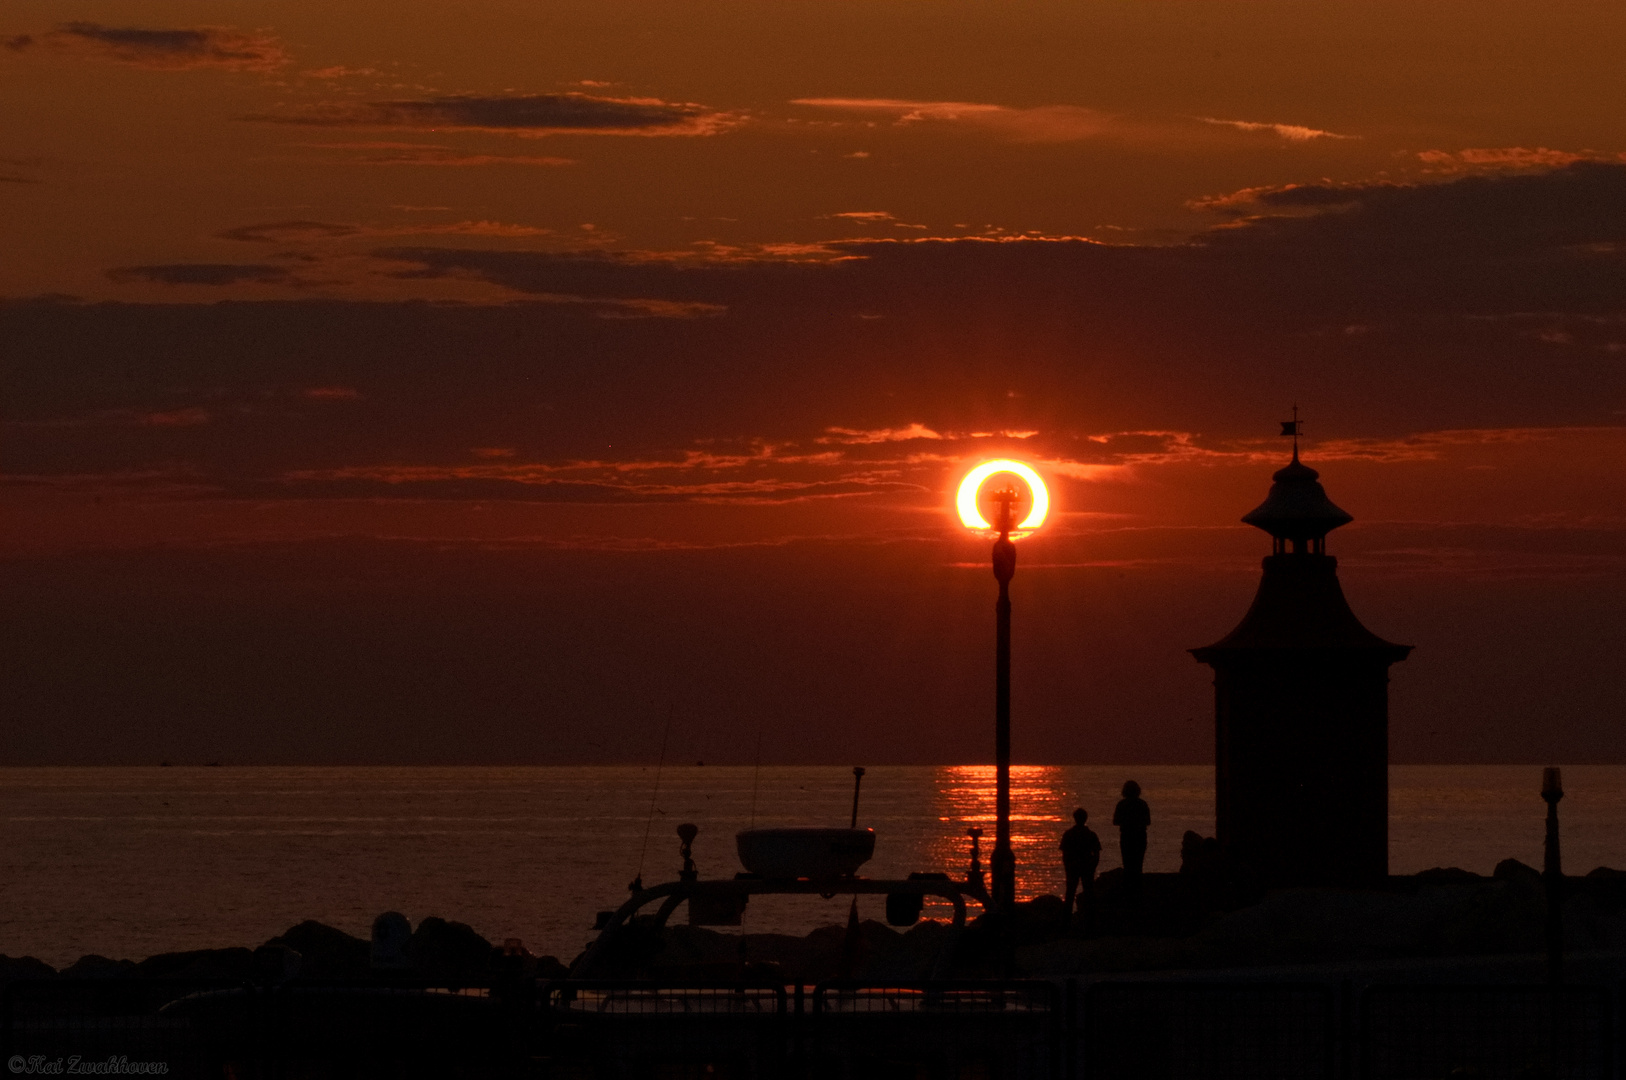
(172, 49)
(203, 274)
(532, 114)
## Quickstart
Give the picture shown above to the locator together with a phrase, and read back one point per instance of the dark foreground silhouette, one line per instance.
(1435, 957)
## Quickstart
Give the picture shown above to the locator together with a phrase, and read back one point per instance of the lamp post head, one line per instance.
(1005, 500)
(1014, 515)
(1552, 785)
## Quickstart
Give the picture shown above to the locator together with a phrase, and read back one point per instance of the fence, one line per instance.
(1487, 1032)
(938, 1029)
(214, 1029)
(633, 1029)
(1197, 1030)
(1016, 1030)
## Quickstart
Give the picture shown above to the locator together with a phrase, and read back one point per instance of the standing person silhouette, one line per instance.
(1133, 817)
(1080, 855)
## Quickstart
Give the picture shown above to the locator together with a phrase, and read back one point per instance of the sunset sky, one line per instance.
(428, 382)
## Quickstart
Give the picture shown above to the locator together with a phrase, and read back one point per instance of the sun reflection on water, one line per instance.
(1041, 801)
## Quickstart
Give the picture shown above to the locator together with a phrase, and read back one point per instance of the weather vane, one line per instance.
(1292, 427)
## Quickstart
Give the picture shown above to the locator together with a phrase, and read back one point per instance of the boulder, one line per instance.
(325, 951)
(277, 964)
(1040, 919)
(94, 966)
(392, 935)
(1445, 875)
(24, 967)
(203, 964)
(1516, 871)
(1199, 855)
(924, 951)
(449, 950)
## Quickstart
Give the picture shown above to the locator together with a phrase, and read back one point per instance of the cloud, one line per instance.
(860, 437)
(204, 274)
(1501, 158)
(879, 435)
(191, 417)
(1316, 257)
(1480, 235)
(704, 480)
(1044, 123)
(1434, 445)
(337, 71)
(513, 114)
(163, 49)
(873, 217)
(1054, 123)
(286, 232)
(428, 154)
(620, 277)
(1076, 352)
(1290, 132)
(468, 228)
(1282, 197)
(281, 232)
(439, 156)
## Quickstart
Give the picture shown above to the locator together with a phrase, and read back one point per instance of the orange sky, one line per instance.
(332, 331)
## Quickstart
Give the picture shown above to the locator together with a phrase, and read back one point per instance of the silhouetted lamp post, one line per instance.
(1007, 524)
(1552, 790)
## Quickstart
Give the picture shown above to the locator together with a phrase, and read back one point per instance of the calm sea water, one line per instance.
(130, 862)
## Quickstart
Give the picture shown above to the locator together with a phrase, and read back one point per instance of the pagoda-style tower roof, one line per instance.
(1297, 507)
(1300, 604)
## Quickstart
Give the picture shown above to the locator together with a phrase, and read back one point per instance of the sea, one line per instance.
(129, 862)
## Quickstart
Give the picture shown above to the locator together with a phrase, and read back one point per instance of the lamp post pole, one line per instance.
(1552, 790)
(1004, 859)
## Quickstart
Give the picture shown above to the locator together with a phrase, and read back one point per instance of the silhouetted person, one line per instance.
(1080, 855)
(1133, 817)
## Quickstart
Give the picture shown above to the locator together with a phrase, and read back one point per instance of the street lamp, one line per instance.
(1008, 525)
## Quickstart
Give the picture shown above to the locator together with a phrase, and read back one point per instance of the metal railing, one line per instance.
(1151, 1029)
(615, 997)
(200, 1028)
(1205, 1031)
(1008, 1029)
(1487, 1032)
(619, 1028)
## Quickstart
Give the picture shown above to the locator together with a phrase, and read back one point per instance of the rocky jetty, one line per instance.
(437, 950)
(1197, 919)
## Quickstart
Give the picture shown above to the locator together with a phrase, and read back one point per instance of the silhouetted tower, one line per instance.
(1301, 708)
